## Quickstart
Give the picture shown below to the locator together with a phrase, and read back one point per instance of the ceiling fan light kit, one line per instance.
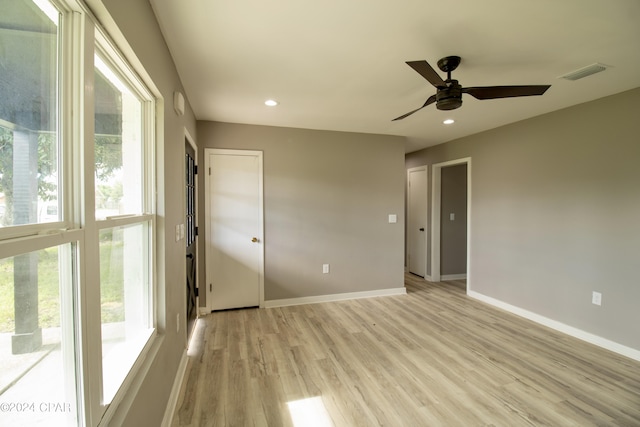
(449, 92)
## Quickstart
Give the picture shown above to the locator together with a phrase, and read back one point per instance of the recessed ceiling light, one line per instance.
(270, 103)
(449, 121)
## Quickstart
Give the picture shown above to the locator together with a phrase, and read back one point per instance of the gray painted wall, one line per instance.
(453, 234)
(554, 210)
(327, 197)
(554, 214)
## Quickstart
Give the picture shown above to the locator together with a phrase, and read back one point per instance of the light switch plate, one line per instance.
(596, 298)
(325, 268)
(452, 217)
(393, 218)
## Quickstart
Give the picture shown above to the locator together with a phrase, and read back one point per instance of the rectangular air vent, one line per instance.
(584, 72)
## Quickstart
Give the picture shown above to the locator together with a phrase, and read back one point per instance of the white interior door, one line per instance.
(235, 228)
(417, 221)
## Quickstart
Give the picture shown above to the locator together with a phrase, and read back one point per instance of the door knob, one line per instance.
(422, 229)
(254, 240)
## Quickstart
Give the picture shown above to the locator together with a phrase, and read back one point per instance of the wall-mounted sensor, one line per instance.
(178, 102)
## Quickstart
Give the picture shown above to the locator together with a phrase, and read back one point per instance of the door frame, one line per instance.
(189, 139)
(436, 200)
(207, 196)
(426, 218)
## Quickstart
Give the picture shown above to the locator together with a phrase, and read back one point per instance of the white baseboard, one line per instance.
(453, 276)
(175, 392)
(560, 327)
(334, 297)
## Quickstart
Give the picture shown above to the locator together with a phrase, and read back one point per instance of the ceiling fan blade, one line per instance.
(492, 92)
(431, 100)
(425, 70)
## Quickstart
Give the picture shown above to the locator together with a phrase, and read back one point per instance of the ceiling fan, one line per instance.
(449, 92)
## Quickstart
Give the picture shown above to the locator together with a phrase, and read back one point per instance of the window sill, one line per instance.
(125, 395)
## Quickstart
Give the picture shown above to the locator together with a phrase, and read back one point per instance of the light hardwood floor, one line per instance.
(433, 357)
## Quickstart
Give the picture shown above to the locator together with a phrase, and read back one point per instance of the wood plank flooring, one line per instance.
(433, 357)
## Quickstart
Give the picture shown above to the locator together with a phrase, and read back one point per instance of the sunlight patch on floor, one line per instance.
(309, 412)
(195, 342)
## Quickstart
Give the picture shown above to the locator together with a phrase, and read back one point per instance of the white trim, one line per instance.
(453, 277)
(334, 297)
(435, 216)
(207, 225)
(116, 411)
(560, 327)
(426, 218)
(170, 410)
(23, 245)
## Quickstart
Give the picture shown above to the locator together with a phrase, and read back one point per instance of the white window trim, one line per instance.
(81, 32)
(109, 52)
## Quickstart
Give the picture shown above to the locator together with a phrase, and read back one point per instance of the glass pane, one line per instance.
(37, 378)
(118, 145)
(124, 301)
(28, 112)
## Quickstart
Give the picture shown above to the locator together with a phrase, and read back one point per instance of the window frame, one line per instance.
(80, 36)
(62, 70)
(112, 56)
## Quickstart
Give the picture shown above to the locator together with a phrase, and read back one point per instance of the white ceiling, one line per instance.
(340, 64)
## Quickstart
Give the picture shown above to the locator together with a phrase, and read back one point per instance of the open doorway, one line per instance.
(417, 207)
(450, 223)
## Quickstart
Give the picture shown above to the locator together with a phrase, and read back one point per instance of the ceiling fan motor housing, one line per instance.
(450, 97)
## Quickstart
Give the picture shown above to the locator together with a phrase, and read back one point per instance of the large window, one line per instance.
(36, 341)
(77, 223)
(29, 161)
(122, 203)
(118, 144)
(124, 300)
(37, 277)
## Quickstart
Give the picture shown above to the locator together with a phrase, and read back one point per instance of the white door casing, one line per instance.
(417, 220)
(436, 201)
(235, 247)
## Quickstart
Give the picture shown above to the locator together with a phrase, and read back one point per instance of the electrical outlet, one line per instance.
(596, 298)
(325, 268)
